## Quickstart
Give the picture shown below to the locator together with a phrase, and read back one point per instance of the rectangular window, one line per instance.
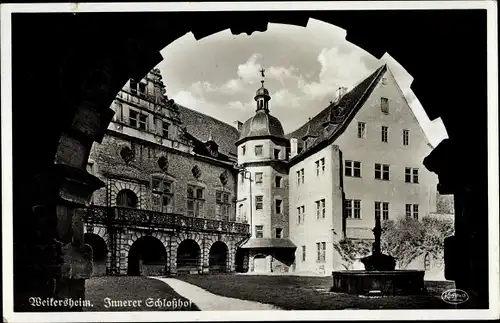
(385, 211)
(222, 206)
(361, 130)
(407, 175)
(348, 208)
(133, 117)
(242, 177)
(411, 175)
(162, 195)
(259, 202)
(278, 206)
(133, 86)
(258, 150)
(384, 105)
(406, 137)
(142, 89)
(299, 218)
(320, 166)
(408, 210)
(278, 181)
(415, 175)
(195, 201)
(385, 131)
(259, 231)
(378, 209)
(277, 153)
(300, 176)
(165, 127)
(357, 209)
(320, 209)
(321, 248)
(243, 150)
(143, 120)
(258, 178)
(352, 168)
(279, 233)
(382, 171)
(411, 210)
(303, 253)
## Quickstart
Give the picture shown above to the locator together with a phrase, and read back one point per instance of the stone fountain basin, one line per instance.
(379, 283)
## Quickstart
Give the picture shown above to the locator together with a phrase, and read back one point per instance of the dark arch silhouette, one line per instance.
(126, 198)
(99, 253)
(218, 257)
(147, 257)
(188, 257)
(47, 42)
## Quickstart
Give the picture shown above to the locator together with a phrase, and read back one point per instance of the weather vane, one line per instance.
(262, 70)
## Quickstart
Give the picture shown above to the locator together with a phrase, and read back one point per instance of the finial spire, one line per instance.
(210, 135)
(262, 70)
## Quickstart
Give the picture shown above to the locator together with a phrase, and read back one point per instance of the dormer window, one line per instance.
(133, 86)
(142, 89)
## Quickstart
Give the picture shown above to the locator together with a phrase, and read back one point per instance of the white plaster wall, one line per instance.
(371, 150)
(313, 230)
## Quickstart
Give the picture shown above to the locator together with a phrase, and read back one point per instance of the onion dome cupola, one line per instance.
(262, 124)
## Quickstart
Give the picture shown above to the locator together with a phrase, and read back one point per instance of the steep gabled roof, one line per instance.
(202, 126)
(349, 104)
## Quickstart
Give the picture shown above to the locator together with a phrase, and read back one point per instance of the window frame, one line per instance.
(259, 228)
(198, 203)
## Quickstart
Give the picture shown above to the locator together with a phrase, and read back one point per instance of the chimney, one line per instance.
(293, 147)
(341, 91)
(238, 125)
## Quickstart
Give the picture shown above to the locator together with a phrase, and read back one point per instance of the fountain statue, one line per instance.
(377, 260)
(380, 276)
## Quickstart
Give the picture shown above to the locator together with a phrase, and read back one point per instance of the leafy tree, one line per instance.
(406, 239)
(350, 250)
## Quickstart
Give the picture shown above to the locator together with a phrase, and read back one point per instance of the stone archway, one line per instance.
(127, 198)
(218, 257)
(147, 257)
(189, 257)
(99, 253)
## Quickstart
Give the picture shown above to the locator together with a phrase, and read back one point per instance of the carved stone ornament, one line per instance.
(223, 177)
(127, 154)
(163, 163)
(196, 171)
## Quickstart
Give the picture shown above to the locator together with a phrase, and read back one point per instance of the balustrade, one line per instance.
(130, 217)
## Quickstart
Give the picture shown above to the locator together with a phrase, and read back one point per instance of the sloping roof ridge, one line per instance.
(369, 89)
(335, 104)
(206, 115)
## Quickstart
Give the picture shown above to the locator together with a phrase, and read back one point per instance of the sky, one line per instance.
(218, 75)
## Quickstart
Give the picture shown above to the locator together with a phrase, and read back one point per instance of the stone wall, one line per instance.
(125, 238)
(136, 175)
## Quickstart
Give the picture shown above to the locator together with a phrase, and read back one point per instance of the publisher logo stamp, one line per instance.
(455, 296)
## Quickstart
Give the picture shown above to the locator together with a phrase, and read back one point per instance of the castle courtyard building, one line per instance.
(186, 193)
